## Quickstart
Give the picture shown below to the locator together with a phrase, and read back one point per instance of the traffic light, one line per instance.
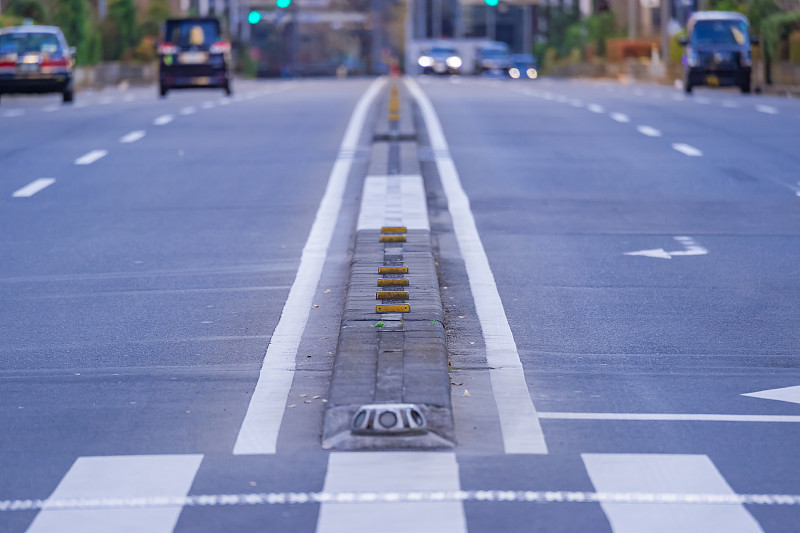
(283, 4)
(254, 17)
(492, 3)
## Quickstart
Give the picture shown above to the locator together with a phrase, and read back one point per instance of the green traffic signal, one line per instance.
(283, 4)
(492, 3)
(254, 17)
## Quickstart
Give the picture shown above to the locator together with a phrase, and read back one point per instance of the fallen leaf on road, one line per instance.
(326, 291)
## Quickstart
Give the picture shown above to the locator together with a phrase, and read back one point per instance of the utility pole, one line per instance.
(633, 18)
(491, 23)
(666, 16)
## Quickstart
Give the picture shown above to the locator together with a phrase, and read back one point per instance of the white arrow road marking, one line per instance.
(691, 248)
(649, 131)
(768, 109)
(163, 119)
(33, 187)
(686, 149)
(132, 137)
(620, 117)
(594, 108)
(91, 157)
(786, 394)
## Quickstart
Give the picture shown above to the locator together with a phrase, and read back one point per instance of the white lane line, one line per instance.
(620, 117)
(678, 97)
(188, 110)
(408, 192)
(163, 120)
(730, 104)
(13, 113)
(702, 100)
(224, 101)
(91, 157)
(123, 477)
(132, 137)
(595, 108)
(81, 104)
(671, 417)
(392, 472)
(33, 187)
(686, 149)
(655, 473)
(576, 103)
(768, 109)
(208, 105)
(519, 422)
(51, 108)
(649, 131)
(259, 431)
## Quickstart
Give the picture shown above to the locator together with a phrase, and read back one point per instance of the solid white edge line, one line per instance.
(261, 425)
(686, 149)
(91, 157)
(671, 417)
(163, 120)
(33, 187)
(519, 423)
(649, 131)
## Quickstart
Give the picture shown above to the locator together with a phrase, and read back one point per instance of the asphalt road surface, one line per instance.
(635, 252)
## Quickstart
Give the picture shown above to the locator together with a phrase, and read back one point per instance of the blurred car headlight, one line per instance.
(513, 72)
(425, 61)
(691, 58)
(533, 73)
(453, 62)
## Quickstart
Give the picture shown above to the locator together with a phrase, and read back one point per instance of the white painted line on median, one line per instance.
(620, 117)
(120, 477)
(13, 113)
(768, 109)
(403, 196)
(595, 108)
(387, 472)
(163, 120)
(91, 157)
(259, 431)
(649, 131)
(656, 473)
(188, 110)
(33, 187)
(686, 149)
(671, 417)
(519, 422)
(132, 137)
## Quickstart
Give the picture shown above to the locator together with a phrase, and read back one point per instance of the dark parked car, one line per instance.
(440, 59)
(717, 50)
(492, 57)
(36, 59)
(192, 53)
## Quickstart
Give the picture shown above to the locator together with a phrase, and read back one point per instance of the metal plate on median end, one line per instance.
(388, 419)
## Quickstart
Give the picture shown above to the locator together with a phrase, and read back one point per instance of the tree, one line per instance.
(28, 9)
(157, 12)
(72, 16)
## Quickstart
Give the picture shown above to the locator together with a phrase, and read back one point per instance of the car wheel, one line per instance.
(227, 88)
(67, 96)
(746, 87)
(687, 87)
(162, 91)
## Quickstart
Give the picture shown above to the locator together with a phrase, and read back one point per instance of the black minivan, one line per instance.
(192, 53)
(717, 50)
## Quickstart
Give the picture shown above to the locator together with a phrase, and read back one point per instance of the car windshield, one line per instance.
(26, 42)
(720, 32)
(192, 32)
(441, 50)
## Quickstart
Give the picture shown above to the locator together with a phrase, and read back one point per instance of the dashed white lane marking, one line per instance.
(678, 97)
(702, 100)
(208, 105)
(132, 137)
(163, 120)
(259, 431)
(686, 149)
(620, 117)
(51, 108)
(33, 187)
(649, 131)
(224, 101)
(595, 108)
(188, 110)
(394, 497)
(392, 472)
(13, 113)
(401, 198)
(576, 103)
(519, 423)
(671, 417)
(91, 157)
(768, 109)
(730, 104)
(666, 474)
(124, 477)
